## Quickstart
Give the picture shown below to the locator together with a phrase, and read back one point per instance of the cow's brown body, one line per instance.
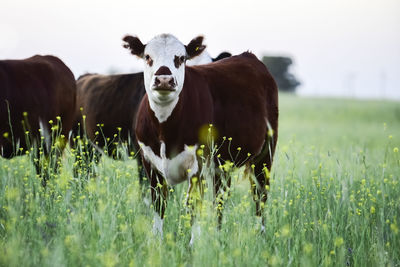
(239, 97)
(42, 88)
(109, 103)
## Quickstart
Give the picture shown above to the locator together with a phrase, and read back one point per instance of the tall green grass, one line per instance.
(334, 200)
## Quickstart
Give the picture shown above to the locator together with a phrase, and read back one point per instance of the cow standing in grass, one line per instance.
(107, 123)
(108, 104)
(37, 93)
(237, 95)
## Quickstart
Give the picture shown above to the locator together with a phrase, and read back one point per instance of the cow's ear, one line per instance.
(134, 44)
(195, 47)
(222, 56)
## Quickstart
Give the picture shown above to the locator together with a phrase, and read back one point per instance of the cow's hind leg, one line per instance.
(87, 157)
(259, 181)
(222, 183)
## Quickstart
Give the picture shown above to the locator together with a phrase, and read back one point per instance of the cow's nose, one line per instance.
(164, 81)
(163, 70)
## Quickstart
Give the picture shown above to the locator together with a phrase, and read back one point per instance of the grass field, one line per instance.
(334, 200)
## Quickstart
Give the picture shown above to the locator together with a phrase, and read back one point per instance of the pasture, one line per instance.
(334, 200)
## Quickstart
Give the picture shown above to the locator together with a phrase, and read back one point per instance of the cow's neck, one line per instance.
(163, 111)
(169, 131)
(172, 115)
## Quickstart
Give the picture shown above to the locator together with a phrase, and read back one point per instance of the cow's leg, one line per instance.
(86, 155)
(143, 179)
(40, 166)
(195, 193)
(222, 184)
(6, 148)
(133, 151)
(47, 158)
(194, 199)
(259, 184)
(57, 149)
(259, 181)
(159, 194)
(40, 157)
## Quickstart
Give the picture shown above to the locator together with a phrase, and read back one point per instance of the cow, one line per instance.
(104, 118)
(108, 104)
(108, 123)
(36, 94)
(237, 95)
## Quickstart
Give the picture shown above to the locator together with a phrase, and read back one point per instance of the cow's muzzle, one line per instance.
(164, 83)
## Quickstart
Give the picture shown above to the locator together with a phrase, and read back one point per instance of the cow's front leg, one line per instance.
(222, 183)
(159, 194)
(195, 193)
(194, 199)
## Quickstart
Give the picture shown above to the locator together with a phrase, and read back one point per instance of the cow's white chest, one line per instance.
(174, 170)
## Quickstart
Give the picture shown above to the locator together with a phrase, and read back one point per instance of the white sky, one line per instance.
(343, 47)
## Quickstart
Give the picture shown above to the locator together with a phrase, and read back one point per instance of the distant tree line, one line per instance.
(279, 69)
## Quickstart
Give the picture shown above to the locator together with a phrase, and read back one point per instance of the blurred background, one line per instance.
(343, 48)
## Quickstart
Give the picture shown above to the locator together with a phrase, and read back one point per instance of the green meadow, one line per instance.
(334, 200)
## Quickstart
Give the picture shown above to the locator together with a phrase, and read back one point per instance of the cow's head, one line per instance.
(165, 58)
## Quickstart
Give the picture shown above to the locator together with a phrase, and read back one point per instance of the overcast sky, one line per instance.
(343, 47)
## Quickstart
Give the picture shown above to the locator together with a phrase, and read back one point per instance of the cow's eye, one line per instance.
(148, 60)
(178, 61)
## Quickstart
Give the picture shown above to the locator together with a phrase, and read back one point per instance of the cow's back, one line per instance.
(245, 100)
(36, 89)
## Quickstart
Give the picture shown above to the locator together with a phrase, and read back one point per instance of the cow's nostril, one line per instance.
(162, 81)
(157, 81)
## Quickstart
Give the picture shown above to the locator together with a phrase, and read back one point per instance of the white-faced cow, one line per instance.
(34, 91)
(104, 118)
(237, 95)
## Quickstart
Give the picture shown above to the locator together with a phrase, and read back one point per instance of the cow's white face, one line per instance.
(164, 68)
(164, 72)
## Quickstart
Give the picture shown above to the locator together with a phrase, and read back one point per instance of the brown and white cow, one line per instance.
(104, 118)
(108, 124)
(237, 95)
(34, 91)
